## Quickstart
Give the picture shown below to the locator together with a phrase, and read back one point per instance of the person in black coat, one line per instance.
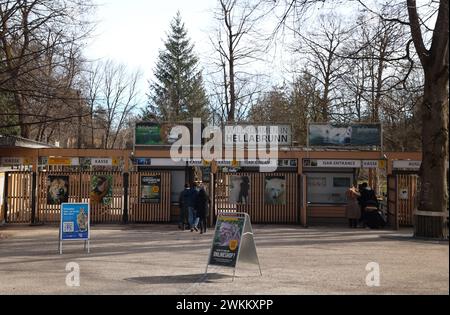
(367, 198)
(202, 207)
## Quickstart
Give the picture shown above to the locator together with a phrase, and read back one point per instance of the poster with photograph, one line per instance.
(160, 134)
(239, 190)
(151, 189)
(354, 135)
(275, 190)
(227, 240)
(74, 221)
(101, 189)
(57, 190)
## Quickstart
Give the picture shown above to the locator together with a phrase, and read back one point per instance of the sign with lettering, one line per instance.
(151, 189)
(332, 163)
(63, 161)
(407, 165)
(101, 162)
(371, 164)
(227, 239)
(142, 161)
(74, 221)
(245, 134)
(15, 161)
(75, 224)
(233, 241)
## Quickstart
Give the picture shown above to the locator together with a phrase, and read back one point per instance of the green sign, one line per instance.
(227, 241)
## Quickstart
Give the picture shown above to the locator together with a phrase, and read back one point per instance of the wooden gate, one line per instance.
(149, 212)
(402, 198)
(109, 210)
(407, 186)
(392, 202)
(256, 207)
(18, 197)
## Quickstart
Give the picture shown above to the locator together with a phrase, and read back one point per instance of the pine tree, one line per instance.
(177, 93)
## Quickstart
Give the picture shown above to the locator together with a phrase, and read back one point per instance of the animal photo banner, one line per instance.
(239, 190)
(355, 135)
(57, 190)
(227, 241)
(160, 134)
(101, 189)
(275, 190)
(74, 221)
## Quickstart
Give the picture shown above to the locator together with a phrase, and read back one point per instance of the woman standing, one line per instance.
(353, 210)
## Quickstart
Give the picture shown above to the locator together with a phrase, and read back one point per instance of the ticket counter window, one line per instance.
(326, 188)
(178, 181)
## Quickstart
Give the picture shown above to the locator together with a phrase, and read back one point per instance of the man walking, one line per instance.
(191, 200)
(184, 207)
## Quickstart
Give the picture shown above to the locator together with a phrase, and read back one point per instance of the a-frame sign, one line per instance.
(233, 242)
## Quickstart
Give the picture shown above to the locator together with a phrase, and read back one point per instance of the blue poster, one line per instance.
(74, 221)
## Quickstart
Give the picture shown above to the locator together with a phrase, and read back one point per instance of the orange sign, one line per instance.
(62, 161)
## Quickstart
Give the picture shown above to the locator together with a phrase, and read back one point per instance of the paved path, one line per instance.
(158, 259)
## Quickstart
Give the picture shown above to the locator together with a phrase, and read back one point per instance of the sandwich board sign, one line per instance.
(75, 224)
(233, 242)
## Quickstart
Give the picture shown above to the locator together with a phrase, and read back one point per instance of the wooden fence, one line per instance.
(149, 212)
(18, 197)
(110, 210)
(256, 206)
(407, 187)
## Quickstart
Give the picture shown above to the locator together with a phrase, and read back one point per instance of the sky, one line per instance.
(132, 31)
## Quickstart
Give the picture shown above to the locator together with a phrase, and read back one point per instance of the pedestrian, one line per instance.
(353, 210)
(184, 207)
(202, 208)
(367, 198)
(192, 197)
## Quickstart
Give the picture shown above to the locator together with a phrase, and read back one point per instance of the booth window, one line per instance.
(328, 188)
(177, 183)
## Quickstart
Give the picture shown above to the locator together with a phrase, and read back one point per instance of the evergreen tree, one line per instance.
(177, 93)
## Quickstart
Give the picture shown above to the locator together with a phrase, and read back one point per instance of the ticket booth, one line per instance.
(403, 186)
(327, 181)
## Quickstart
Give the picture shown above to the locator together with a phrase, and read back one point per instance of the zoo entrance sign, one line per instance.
(167, 134)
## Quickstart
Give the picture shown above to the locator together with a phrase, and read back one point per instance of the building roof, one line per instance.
(19, 142)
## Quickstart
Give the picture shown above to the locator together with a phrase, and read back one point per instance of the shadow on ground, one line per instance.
(192, 278)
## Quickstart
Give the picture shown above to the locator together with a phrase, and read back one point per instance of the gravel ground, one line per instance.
(159, 259)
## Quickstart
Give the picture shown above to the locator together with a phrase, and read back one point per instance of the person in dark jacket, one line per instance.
(202, 208)
(191, 200)
(184, 211)
(367, 198)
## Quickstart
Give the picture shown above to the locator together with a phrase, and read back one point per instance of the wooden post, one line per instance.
(126, 181)
(5, 197)
(33, 198)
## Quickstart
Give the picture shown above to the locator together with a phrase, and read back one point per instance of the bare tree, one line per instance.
(112, 98)
(236, 47)
(34, 36)
(321, 51)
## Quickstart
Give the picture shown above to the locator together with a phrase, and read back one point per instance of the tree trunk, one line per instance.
(232, 112)
(434, 170)
(24, 128)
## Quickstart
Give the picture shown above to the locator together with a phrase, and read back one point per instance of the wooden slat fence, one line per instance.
(149, 213)
(259, 211)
